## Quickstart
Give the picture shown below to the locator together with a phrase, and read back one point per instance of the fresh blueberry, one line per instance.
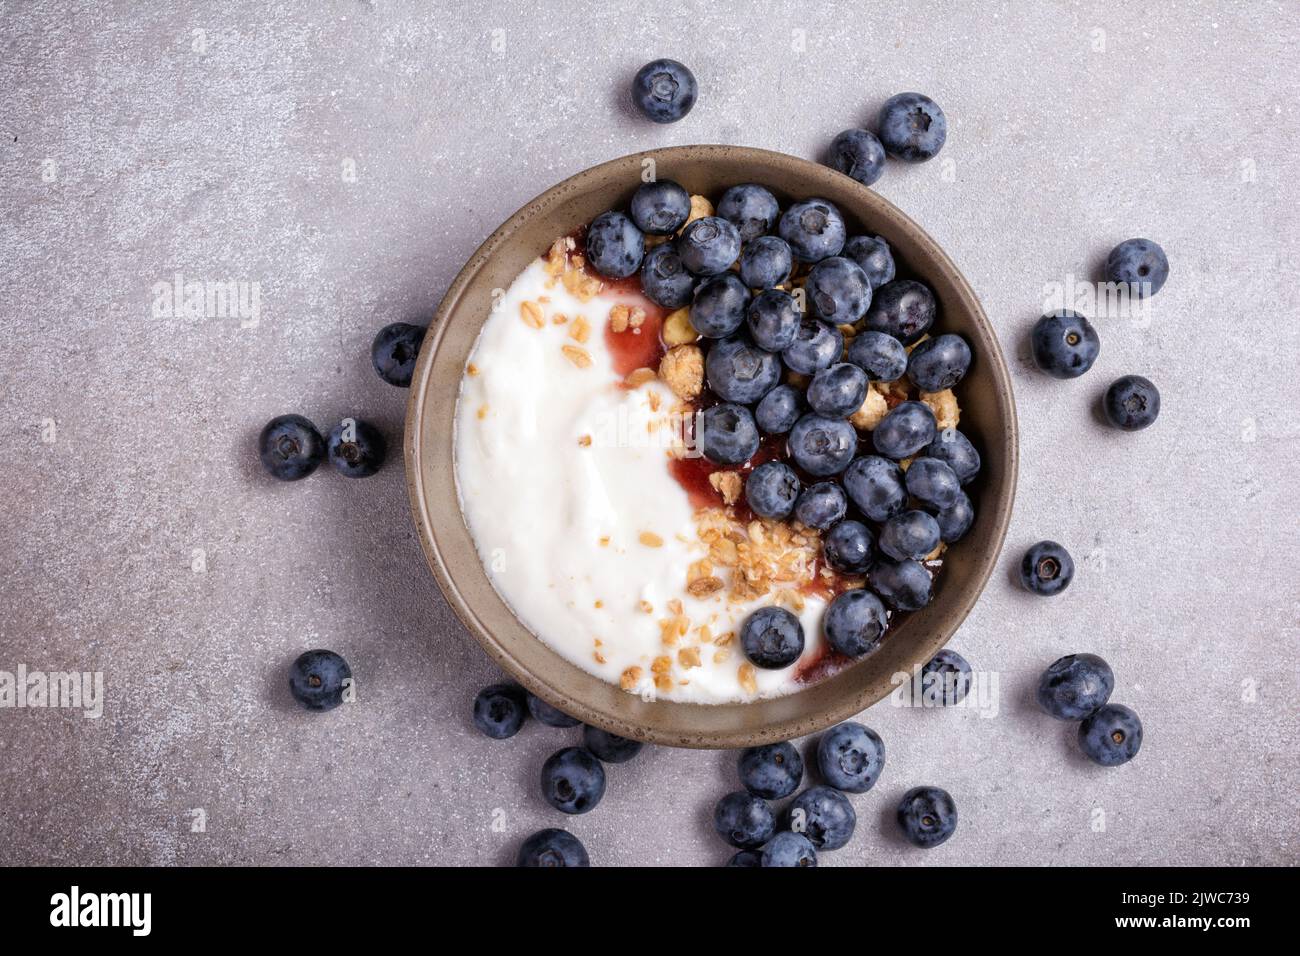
(821, 505)
(552, 847)
(709, 246)
(850, 757)
(1132, 403)
(394, 351)
(838, 390)
(955, 520)
(728, 435)
(744, 820)
(1046, 568)
(771, 489)
(615, 246)
(903, 308)
(946, 679)
(290, 447)
(773, 320)
(855, 622)
(772, 638)
(838, 290)
(939, 363)
(664, 90)
(746, 858)
(814, 229)
(719, 305)
(772, 771)
(500, 710)
(848, 547)
(879, 354)
(857, 154)
(874, 257)
(903, 585)
(927, 815)
(824, 816)
(912, 127)
(822, 446)
(778, 410)
(356, 449)
(765, 262)
(1075, 686)
(905, 430)
(955, 450)
(548, 715)
(1139, 266)
(661, 207)
(1111, 735)
(816, 345)
(664, 279)
(876, 485)
(1064, 344)
(610, 748)
(739, 371)
(932, 482)
(318, 679)
(910, 535)
(750, 208)
(789, 849)
(573, 781)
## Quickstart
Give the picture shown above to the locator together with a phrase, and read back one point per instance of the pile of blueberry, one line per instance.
(1078, 687)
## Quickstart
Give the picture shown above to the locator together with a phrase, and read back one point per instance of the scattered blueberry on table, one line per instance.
(824, 816)
(610, 748)
(928, 816)
(500, 710)
(857, 153)
(573, 780)
(1075, 686)
(787, 849)
(744, 820)
(1132, 403)
(552, 848)
(290, 447)
(912, 127)
(771, 771)
(1064, 344)
(850, 757)
(548, 715)
(318, 679)
(946, 679)
(1046, 569)
(1139, 266)
(664, 90)
(394, 351)
(1111, 735)
(357, 449)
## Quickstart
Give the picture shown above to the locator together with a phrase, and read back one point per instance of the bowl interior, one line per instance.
(988, 419)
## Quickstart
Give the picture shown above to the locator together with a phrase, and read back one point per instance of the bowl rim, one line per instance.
(427, 528)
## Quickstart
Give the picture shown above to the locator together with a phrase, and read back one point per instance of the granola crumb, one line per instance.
(646, 607)
(471, 370)
(578, 356)
(677, 328)
(874, 408)
(482, 412)
(618, 317)
(700, 207)
(947, 413)
(559, 318)
(650, 539)
(729, 484)
(663, 683)
(630, 678)
(748, 682)
(689, 657)
(580, 330)
(639, 376)
(585, 441)
(682, 368)
(603, 541)
(600, 658)
(531, 313)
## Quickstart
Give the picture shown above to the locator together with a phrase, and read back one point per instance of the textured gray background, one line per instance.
(226, 162)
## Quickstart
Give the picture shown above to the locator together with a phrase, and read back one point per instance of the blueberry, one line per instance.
(750, 208)
(744, 820)
(573, 781)
(931, 482)
(955, 520)
(615, 246)
(1132, 403)
(816, 345)
(939, 363)
(739, 371)
(772, 771)
(789, 849)
(874, 257)
(880, 355)
(905, 430)
(850, 757)
(552, 847)
(824, 816)
(290, 447)
(728, 435)
(771, 490)
(821, 505)
(1074, 687)
(394, 351)
(500, 710)
(814, 229)
(1064, 344)
(664, 278)
(848, 547)
(548, 715)
(746, 858)
(1111, 735)
(927, 815)
(855, 622)
(822, 446)
(876, 486)
(660, 208)
(838, 390)
(910, 535)
(903, 308)
(719, 305)
(610, 748)
(778, 410)
(318, 679)
(946, 679)
(356, 449)
(1139, 266)
(709, 246)
(765, 262)
(838, 290)
(955, 450)
(857, 154)
(903, 585)
(1046, 568)
(912, 127)
(772, 638)
(773, 320)
(664, 90)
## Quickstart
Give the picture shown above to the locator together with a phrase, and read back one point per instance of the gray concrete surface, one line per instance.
(215, 141)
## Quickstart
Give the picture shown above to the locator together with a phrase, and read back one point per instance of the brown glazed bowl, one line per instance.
(988, 418)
